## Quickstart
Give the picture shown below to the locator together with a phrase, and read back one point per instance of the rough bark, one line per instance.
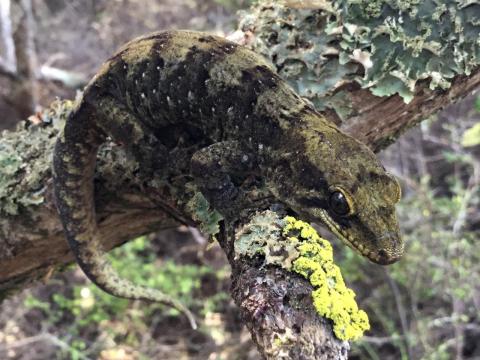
(31, 242)
(277, 309)
(380, 121)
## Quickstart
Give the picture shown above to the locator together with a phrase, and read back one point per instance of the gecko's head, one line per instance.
(341, 184)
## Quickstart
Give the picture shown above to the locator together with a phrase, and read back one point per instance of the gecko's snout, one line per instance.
(385, 258)
(390, 248)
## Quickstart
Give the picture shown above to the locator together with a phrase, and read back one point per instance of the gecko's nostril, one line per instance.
(382, 253)
(384, 258)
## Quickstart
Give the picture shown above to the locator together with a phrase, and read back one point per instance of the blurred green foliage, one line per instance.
(471, 137)
(88, 309)
(426, 306)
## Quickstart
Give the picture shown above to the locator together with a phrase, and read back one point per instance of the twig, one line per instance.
(400, 309)
(379, 341)
(8, 59)
(39, 338)
(7, 70)
(70, 79)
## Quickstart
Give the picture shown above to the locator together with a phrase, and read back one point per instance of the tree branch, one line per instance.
(31, 236)
(276, 307)
(380, 121)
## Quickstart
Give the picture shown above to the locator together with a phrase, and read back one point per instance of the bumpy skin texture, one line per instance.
(222, 107)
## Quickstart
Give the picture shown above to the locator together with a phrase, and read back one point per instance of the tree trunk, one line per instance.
(31, 239)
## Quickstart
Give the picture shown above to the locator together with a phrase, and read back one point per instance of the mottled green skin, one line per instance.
(221, 106)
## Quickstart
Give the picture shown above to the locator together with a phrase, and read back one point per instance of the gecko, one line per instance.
(231, 117)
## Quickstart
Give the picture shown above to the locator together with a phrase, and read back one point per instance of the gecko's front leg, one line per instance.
(219, 171)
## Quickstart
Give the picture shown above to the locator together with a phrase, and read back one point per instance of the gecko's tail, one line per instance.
(73, 171)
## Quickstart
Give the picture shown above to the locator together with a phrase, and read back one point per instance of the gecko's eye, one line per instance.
(339, 204)
(396, 188)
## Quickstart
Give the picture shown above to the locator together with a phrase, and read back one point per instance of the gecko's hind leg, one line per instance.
(219, 170)
(127, 129)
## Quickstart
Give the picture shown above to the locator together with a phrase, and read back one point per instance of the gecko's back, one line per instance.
(195, 81)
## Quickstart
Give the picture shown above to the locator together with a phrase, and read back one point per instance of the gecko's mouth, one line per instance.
(350, 240)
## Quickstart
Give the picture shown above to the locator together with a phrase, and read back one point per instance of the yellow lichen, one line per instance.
(331, 298)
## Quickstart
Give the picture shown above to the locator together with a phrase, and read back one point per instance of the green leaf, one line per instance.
(471, 137)
(477, 104)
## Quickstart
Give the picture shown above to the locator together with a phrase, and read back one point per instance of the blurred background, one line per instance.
(427, 306)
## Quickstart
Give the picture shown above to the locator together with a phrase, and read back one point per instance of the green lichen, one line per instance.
(253, 237)
(295, 246)
(384, 45)
(26, 160)
(263, 236)
(208, 218)
(302, 45)
(415, 40)
(23, 164)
